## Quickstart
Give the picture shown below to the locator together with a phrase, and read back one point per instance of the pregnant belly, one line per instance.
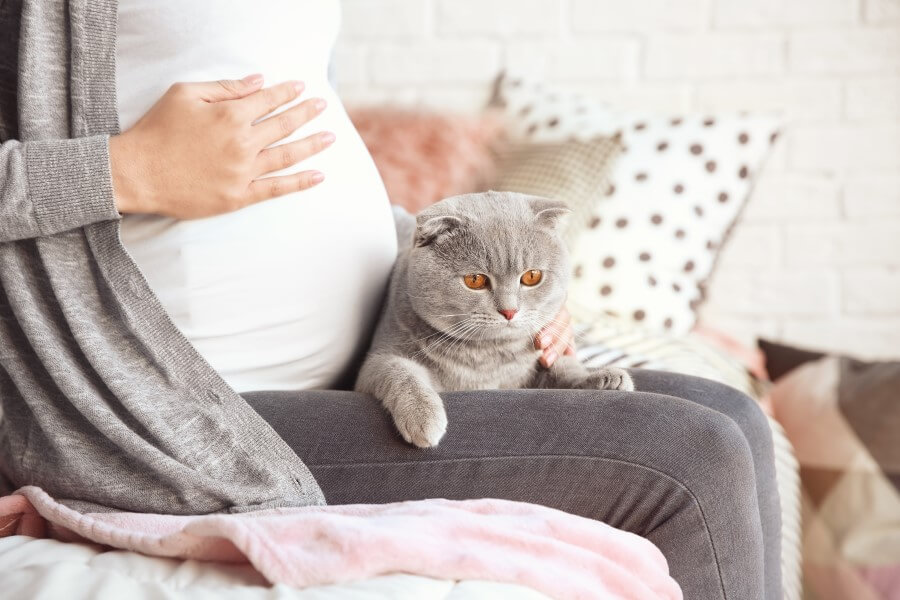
(279, 295)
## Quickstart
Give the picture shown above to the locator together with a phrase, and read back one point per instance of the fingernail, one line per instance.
(254, 79)
(298, 86)
(551, 357)
(327, 137)
(317, 177)
(545, 340)
(319, 104)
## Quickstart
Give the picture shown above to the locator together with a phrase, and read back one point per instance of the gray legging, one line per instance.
(685, 462)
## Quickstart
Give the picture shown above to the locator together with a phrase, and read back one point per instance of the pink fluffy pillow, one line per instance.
(426, 156)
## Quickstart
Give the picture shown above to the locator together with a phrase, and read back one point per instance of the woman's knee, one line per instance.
(720, 455)
(748, 415)
(733, 403)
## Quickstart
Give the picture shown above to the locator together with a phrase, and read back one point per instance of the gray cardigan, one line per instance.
(105, 404)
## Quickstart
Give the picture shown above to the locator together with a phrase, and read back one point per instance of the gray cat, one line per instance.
(484, 274)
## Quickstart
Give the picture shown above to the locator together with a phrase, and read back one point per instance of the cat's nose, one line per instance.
(509, 313)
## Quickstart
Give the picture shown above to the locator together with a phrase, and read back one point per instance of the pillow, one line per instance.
(843, 418)
(574, 172)
(674, 194)
(423, 156)
(781, 359)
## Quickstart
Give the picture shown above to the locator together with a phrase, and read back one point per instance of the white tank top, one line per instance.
(277, 295)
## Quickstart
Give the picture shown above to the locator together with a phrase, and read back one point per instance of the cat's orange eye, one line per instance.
(475, 281)
(532, 277)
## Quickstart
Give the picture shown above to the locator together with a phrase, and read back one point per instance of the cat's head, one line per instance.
(489, 265)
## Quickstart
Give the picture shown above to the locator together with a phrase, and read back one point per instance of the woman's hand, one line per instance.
(201, 149)
(556, 339)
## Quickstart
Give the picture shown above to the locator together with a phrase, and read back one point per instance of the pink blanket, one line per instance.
(559, 554)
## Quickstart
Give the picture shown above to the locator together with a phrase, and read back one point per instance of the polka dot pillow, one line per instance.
(675, 192)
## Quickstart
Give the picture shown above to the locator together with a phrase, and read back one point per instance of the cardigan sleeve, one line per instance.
(50, 186)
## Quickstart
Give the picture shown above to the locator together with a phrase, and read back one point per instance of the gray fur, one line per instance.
(438, 335)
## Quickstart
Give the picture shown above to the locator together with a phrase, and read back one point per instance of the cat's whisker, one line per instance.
(466, 335)
(554, 327)
(451, 335)
(560, 324)
(463, 337)
(577, 336)
(444, 337)
(467, 338)
(439, 332)
(558, 331)
(553, 324)
(434, 345)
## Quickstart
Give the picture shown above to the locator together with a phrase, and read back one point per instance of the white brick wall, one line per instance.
(882, 11)
(816, 258)
(503, 18)
(601, 16)
(784, 13)
(845, 51)
(714, 55)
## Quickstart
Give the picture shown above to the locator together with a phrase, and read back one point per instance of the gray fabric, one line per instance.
(685, 462)
(105, 404)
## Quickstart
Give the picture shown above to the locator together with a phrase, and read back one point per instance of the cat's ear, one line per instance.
(430, 229)
(548, 212)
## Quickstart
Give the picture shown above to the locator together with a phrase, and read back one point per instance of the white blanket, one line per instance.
(45, 568)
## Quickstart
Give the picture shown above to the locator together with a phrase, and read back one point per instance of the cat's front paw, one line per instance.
(421, 421)
(611, 378)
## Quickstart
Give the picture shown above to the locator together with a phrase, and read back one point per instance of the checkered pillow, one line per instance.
(574, 172)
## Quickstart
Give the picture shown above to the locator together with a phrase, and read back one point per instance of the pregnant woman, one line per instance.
(182, 264)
